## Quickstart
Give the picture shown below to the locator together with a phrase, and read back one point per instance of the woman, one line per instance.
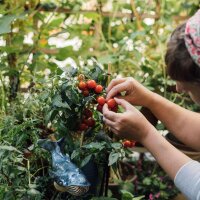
(183, 65)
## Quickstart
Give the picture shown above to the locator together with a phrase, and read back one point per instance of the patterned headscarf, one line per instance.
(192, 37)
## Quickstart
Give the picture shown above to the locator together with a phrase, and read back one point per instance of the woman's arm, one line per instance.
(169, 158)
(184, 124)
(184, 171)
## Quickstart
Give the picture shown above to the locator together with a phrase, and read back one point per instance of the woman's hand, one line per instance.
(135, 93)
(130, 124)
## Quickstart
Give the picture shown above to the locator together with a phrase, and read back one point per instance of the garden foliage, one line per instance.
(42, 44)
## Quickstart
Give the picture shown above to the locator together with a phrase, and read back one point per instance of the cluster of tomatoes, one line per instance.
(128, 143)
(87, 121)
(88, 86)
(91, 87)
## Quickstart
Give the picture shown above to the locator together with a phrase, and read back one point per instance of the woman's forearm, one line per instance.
(168, 157)
(184, 124)
(183, 170)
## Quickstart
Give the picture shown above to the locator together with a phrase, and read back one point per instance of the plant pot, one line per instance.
(195, 155)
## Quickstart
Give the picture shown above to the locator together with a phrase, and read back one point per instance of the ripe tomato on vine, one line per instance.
(98, 89)
(91, 84)
(111, 103)
(82, 85)
(101, 100)
(128, 143)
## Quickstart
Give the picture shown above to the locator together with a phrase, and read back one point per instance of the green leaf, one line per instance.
(9, 148)
(5, 22)
(138, 198)
(116, 145)
(86, 160)
(33, 192)
(113, 158)
(147, 181)
(57, 101)
(107, 59)
(95, 145)
(65, 52)
(126, 195)
(50, 115)
(74, 154)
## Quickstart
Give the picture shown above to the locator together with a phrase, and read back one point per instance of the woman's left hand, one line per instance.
(130, 124)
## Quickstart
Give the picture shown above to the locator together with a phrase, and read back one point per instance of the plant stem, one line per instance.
(107, 180)
(136, 14)
(3, 100)
(110, 20)
(38, 171)
(82, 138)
(29, 174)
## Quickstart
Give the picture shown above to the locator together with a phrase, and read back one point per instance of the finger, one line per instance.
(114, 131)
(114, 82)
(109, 123)
(125, 104)
(109, 114)
(117, 89)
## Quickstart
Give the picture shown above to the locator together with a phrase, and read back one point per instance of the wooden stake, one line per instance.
(82, 138)
(109, 74)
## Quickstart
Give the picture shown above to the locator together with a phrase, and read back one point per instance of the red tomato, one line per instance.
(101, 100)
(84, 121)
(132, 143)
(100, 108)
(98, 89)
(115, 109)
(85, 93)
(90, 122)
(82, 85)
(91, 84)
(88, 113)
(111, 103)
(127, 143)
(83, 127)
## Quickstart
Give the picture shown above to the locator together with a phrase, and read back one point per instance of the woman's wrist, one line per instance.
(150, 99)
(151, 132)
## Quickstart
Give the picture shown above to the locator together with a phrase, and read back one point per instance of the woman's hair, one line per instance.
(180, 65)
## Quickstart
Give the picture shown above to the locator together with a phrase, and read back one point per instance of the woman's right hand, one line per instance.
(134, 92)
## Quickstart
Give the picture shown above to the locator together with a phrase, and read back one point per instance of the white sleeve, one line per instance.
(187, 180)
